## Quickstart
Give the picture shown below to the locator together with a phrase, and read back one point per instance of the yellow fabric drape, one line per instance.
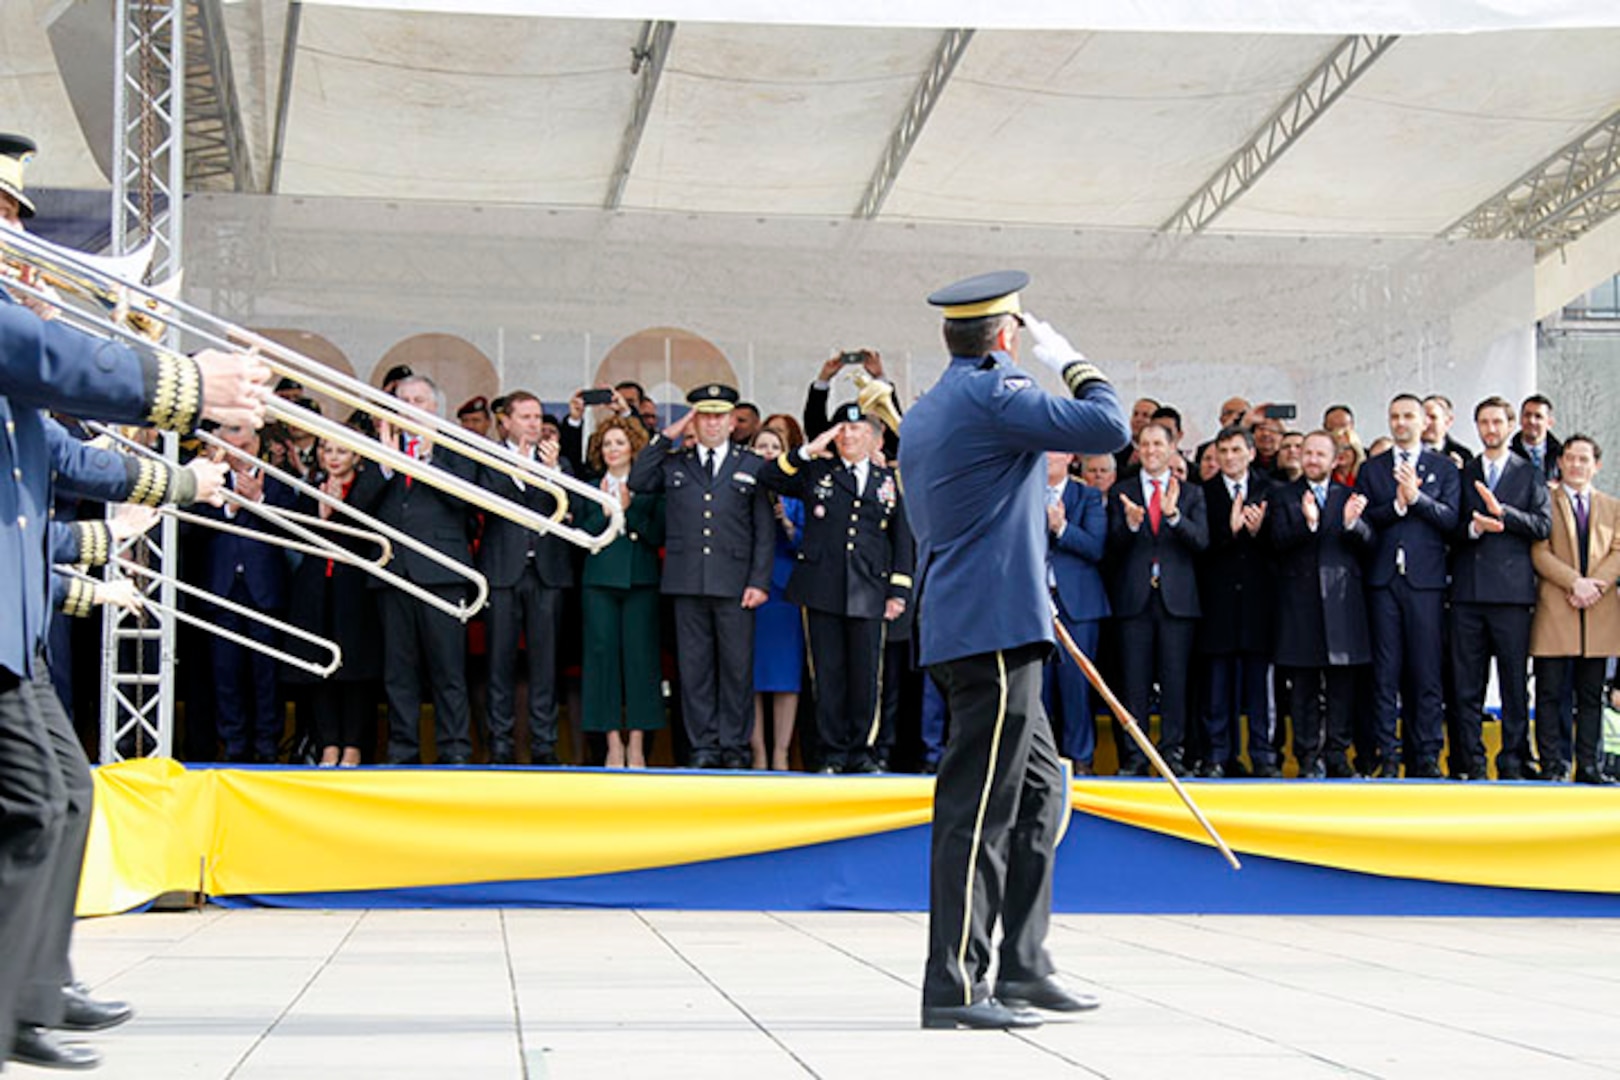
(159, 827)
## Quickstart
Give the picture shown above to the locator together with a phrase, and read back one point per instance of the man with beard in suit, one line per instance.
(1505, 509)
(1318, 539)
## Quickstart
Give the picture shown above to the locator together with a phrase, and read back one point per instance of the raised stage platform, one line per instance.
(427, 837)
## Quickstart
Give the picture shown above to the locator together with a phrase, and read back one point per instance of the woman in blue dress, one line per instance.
(778, 626)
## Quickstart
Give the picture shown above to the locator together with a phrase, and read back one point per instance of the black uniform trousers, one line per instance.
(1155, 645)
(51, 968)
(1478, 633)
(714, 653)
(418, 639)
(998, 806)
(1322, 701)
(846, 659)
(1406, 625)
(532, 610)
(33, 810)
(1554, 676)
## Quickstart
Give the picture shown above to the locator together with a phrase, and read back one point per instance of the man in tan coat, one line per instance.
(1577, 621)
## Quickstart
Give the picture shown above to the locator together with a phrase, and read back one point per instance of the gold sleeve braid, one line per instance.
(95, 543)
(151, 483)
(81, 599)
(1081, 372)
(786, 463)
(176, 400)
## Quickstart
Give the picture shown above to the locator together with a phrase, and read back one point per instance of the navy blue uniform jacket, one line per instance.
(972, 458)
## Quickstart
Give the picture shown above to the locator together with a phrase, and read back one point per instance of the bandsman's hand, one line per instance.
(120, 592)
(131, 520)
(235, 387)
(752, 598)
(210, 476)
(1134, 514)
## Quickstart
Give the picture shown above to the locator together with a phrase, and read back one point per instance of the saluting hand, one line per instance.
(818, 448)
(1133, 513)
(677, 431)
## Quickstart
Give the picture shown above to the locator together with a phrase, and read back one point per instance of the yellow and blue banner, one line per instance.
(512, 836)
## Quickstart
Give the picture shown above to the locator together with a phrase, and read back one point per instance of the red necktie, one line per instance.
(1155, 510)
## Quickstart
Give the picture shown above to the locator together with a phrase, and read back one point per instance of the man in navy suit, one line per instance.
(1076, 534)
(1412, 496)
(1318, 539)
(1156, 528)
(1505, 507)
(253, 574)
(1234, 590)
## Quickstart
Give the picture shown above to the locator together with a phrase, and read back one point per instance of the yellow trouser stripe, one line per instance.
(877, 713)
(978, 829)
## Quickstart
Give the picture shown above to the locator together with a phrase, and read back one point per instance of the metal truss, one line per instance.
(951, 47)
(216, 146)
(137, 690)
(647, 65)
(1348, 61)
(1573, 191)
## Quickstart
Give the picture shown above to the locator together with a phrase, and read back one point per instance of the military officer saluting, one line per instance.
(719, 542)
(853, 577)
(972, 450)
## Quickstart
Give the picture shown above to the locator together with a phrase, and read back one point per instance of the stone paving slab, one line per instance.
(619, 994)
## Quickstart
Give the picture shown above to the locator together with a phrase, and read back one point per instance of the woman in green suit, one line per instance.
(620, 601)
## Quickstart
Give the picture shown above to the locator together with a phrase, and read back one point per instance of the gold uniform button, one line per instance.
(708, 532)
(708, 496)
(705, 551)
(852, 532)
(708, 513)
(857, 502)
(849, 547)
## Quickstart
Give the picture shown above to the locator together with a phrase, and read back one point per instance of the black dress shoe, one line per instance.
(1136, 768)
(988, 1014)
(864, 765)
(1339, 769)
(1267, 770)
(1593, 775)
(81, 1012)
(1316, 771)
(1509, 771)
(1081, 768)
(1212, 771)
(829, 770)
(38, 1047)
(453, 759)
(1387, 770)
(545, 757)
(1424, 770)
(1047, 993)
(1555, 773)
(735, 759)
(704, 761)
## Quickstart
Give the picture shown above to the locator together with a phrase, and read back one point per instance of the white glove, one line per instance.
(1051, 348)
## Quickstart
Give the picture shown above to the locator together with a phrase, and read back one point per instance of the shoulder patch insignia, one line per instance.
(1015, 383)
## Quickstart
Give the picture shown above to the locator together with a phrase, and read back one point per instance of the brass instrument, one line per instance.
(130, 311)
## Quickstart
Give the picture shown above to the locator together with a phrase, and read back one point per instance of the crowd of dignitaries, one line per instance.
(1273, 598)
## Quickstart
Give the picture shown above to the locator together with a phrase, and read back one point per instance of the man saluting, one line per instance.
(972, 452)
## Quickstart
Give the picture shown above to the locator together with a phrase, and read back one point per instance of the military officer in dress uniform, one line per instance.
(972, 450)
(853, 577)
(718, 547)
(47, 365)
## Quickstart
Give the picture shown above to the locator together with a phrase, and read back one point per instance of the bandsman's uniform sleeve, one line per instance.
(49, 365)
(81, 543)
(73, 597)
(90, 471)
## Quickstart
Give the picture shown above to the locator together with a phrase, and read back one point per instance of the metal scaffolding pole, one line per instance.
(137, 690)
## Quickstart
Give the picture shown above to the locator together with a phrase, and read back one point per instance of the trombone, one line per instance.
(372, 530)
(137, 313)
(129, 568)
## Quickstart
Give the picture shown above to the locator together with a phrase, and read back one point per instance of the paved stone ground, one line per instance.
(622, 994)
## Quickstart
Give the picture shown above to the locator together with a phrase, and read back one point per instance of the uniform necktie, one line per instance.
(1493, 472)
(708, 461)
(1155, 509)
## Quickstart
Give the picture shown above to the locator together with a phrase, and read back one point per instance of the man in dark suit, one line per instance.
(1076, 538)
(853, 578)
(1438, 417)
(1534, 441)
(1504, 509)
(421, 641)
(1156, 528)
(1319, 538)
(528, 575)
(719, 545)
(1234, 591)
(254, 575)
(1412, 496)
